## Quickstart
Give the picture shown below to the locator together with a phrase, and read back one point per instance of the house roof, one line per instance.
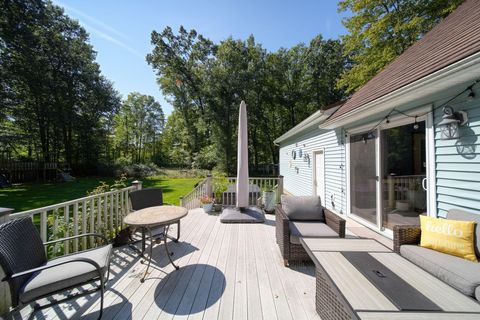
(313, 120)
(453, 39)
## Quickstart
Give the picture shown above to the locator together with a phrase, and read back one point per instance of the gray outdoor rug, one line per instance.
(246, 215)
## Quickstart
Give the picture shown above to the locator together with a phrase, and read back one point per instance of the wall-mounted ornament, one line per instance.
(300, 153)
(294, 154)
(296, 169)
(306, 158)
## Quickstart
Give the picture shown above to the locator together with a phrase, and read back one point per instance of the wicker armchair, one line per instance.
(32, 277)
(405, 234)
(296, 252)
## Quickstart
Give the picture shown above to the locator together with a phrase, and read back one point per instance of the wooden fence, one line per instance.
(19, 171)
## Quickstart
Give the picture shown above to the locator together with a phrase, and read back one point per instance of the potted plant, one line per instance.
(268, 198)
(220, 185)
(207, 203)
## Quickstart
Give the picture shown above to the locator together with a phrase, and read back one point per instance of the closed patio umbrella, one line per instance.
(242, 213)
(242, 158)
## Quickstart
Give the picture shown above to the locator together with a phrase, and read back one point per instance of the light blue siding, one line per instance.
(458, 161)
(301, 183)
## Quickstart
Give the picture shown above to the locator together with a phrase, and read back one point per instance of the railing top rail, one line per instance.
(409, 176)
(198, 186)
(257, 178)
(67, 203)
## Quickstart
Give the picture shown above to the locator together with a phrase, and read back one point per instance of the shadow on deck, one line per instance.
(227, 271)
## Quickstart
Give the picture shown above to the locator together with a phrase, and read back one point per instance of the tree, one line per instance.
(138, 125)
(381, 30)
(205, 83)
(51, 86)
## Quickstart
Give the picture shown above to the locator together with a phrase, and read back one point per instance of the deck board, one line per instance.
(227, 271)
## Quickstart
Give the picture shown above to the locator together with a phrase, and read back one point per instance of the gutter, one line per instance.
(465, 70)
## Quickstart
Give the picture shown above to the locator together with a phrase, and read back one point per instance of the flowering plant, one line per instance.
(206, 199)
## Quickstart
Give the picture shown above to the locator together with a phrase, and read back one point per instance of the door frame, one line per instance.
(395, 121)
(314, 172)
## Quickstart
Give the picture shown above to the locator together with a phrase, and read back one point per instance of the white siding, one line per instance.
(301, 183)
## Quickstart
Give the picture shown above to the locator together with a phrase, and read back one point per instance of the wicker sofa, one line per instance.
(297, 217)
(459, 273)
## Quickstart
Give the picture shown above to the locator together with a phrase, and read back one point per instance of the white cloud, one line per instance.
(108, 33)
(94, 20)
(113, 40)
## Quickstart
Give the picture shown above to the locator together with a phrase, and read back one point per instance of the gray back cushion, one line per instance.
(456, 214)
(303, 208)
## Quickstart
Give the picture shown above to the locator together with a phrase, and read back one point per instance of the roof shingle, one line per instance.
(454, 38)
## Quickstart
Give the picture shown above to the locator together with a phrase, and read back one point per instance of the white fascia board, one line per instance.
(463, 71)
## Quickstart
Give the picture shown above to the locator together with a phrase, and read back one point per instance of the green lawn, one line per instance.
(23, 197)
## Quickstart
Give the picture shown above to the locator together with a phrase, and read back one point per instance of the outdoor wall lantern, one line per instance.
(451, 121)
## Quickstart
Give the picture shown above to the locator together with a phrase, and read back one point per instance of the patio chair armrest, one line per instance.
(282, 230)
(97, 235)
(281, 213)
(335, 222)
(405, 234)
(45, 267)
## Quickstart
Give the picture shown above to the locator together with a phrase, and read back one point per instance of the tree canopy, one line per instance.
(381, 30)
(205, 82)
(55, 104)
(54, 97)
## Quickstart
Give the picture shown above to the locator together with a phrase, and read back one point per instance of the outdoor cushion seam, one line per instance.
(448, 270)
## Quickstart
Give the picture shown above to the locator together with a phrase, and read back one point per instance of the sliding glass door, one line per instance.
(387, 172)
(403, 158)
(363, 182)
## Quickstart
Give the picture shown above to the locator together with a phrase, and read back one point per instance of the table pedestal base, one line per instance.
(163, 236)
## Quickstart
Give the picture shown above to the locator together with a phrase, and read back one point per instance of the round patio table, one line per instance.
(154, 217)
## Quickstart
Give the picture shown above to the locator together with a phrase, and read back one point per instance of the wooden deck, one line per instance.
(227, 271)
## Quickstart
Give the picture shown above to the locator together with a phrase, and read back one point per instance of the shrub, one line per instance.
(206, 158)
(138, 170)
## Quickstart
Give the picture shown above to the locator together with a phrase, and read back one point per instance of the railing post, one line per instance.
(5, 301)
(208, 185)
(181, 202)
(391, 191)
(280, 188)
(137, 184)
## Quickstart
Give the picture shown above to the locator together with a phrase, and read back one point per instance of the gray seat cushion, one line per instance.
(459, 273)
(67, 275)
(456, 214)
(309, 229)
(304, 208)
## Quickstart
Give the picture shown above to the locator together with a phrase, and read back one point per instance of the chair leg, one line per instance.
(178, 231)
(102, 293)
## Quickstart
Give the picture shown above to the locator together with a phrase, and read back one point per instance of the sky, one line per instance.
(120, 30)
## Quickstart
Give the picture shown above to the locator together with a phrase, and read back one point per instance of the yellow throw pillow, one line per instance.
(453, 237)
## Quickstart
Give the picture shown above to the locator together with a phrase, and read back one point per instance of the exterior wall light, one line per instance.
(451, 121)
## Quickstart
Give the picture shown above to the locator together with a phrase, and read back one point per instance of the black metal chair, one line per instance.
(32, 277)
(150, 197)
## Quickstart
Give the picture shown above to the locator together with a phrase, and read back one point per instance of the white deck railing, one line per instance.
(101, 213)
(192, 199)
(399, 186)
(210, 186)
